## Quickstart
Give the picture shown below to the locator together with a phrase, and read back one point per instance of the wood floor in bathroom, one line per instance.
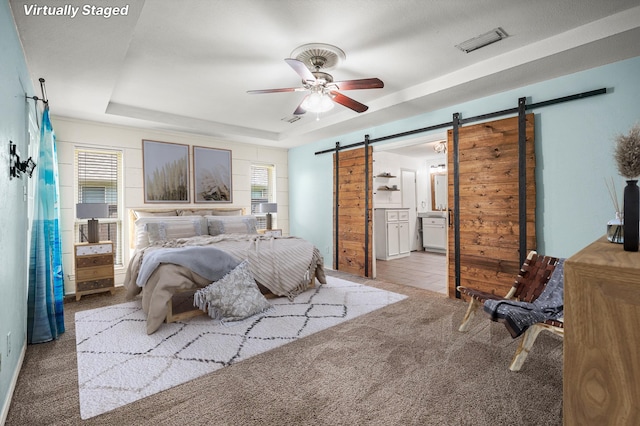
(421, 269)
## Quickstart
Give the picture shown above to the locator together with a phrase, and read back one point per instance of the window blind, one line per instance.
(98, 180)
(262, 190)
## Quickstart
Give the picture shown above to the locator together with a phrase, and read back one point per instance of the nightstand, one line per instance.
(94, 268)
(271, 232)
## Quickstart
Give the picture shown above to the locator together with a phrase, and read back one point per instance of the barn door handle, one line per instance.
(450, 220)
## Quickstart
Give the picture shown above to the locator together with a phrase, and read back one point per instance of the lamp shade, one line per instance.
(267, 208)
(92, 210)
(317, 102)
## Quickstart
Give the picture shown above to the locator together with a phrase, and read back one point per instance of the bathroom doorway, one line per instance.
(407, 165)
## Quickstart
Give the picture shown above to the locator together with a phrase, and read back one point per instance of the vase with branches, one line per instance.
(627, 156)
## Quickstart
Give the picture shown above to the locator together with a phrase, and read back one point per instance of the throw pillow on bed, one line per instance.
(234, 297)
(178, 227)
(232, 225)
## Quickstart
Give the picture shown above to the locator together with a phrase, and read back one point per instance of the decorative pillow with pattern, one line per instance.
(232, 225)
(233, 298)
(156, 229)
(196, 212)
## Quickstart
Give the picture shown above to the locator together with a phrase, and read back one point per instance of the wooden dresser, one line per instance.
(601, 379)
(94, 268)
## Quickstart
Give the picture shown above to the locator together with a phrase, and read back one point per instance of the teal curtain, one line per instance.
(45, 319)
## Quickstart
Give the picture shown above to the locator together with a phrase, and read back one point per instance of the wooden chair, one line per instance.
(529, 284)
(529, 337)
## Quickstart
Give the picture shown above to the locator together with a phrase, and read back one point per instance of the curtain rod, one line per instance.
(471, 119)
(43, 99)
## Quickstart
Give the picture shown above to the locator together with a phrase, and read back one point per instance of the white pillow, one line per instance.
(160, 213)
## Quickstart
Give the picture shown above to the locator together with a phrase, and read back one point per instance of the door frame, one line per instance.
(436, 136)
(413, 212)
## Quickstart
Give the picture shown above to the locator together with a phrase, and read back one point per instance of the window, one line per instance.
(99, 180)
(263, 190)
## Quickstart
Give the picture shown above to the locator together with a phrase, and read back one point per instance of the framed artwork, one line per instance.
(165, 170)
(212, 175)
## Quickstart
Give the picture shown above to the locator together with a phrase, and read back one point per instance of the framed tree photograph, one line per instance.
(165, 168)
(212, 175)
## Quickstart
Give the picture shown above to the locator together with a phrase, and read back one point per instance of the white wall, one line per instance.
(394, 163)
(386, 162)
(75, 133)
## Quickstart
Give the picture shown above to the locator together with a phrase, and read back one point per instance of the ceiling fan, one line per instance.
(311, 61)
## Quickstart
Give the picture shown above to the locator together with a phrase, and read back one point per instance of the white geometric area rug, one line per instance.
(118, 363)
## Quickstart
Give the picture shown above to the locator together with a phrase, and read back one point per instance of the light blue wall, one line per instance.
(14, 84)
(574, 146)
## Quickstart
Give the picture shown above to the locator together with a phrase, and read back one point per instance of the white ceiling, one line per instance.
(186, 65)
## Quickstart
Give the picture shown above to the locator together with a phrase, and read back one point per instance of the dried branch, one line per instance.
(627, 153)
(613, 194)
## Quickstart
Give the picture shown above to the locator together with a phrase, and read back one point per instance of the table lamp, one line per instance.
(92, 211)
(267, 208)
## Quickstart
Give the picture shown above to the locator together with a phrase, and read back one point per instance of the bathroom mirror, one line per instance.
(439, 191)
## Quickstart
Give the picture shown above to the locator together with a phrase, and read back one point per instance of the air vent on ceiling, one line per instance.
(482, 40)
(291, 119)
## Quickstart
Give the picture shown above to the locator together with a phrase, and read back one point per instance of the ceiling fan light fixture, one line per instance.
(440, 147)
(309, 61)
(317, 102)
(482, 40)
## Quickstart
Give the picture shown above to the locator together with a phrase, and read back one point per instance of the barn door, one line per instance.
(489, 206)
(352, 232)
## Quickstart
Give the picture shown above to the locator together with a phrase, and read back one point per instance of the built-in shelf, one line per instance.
(386, 188)
(383, 175)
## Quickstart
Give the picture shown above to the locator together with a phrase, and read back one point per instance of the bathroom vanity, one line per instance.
(392, 234)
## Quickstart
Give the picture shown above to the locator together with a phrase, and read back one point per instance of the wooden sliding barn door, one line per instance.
(489, 206)
(353, 245)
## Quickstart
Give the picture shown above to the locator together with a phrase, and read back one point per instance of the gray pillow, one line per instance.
(232, 225)
(234, 297)
(174, 228)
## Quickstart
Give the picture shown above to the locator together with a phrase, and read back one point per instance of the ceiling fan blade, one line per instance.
(365, 83)
(301, 69)
(288, 89)
(300, 110)
(348, 102)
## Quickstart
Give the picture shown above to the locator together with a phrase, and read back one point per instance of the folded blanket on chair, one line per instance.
(518, 316)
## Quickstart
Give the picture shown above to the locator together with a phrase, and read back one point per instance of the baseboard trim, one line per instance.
(14, 381)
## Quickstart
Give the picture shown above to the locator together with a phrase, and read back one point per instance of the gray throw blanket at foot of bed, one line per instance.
(208, 262)
(518, 316)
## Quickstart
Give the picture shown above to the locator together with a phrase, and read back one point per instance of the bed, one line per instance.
(177, 252)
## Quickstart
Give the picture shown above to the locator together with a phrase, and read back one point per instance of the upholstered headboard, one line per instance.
(184, 222)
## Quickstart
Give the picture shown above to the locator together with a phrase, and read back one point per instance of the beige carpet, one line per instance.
(404, 364)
